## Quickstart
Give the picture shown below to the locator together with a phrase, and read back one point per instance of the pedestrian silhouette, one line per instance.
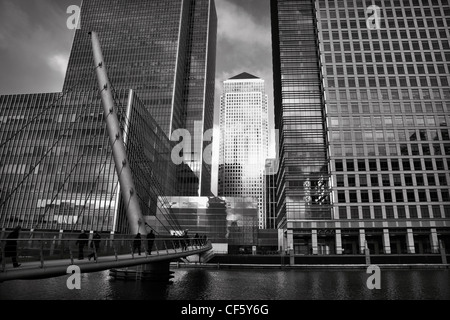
(186, 240)
(82, 242)
(137, 243)
(150, 240)
(196, 240)
(95, 244)
(11, 246)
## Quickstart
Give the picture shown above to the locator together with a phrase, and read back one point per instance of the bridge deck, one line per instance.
(55, 268)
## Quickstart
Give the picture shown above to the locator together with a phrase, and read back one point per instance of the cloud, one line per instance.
(35, 44)
(58, 62)
(239, 26)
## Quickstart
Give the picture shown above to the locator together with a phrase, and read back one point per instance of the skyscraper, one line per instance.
(300, 116)
(370, 80)
(166, 52)
(244, 140)
(270, 194)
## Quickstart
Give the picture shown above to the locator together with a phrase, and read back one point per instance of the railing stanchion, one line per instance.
(156, 247)
(165, 245)
(132, 251)
(174, 246)
(115, 251)
(42, 253)
(71, 255)
(2, 246)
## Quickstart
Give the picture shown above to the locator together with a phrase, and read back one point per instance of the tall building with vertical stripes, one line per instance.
(362, 102)
(166, 52)
(244, 140)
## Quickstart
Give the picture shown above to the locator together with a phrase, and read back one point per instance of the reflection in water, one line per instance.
(213, 284)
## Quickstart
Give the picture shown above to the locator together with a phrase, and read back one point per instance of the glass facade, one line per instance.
(244, 143)
(387, 118)
(224, 220)
(303, 178)
(165, 51)
(56, 165)
(270, 194)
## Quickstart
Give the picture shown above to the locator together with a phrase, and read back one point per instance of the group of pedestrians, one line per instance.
(83, 240)
(137, 242)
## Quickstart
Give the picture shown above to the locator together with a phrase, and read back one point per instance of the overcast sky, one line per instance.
(35, 44)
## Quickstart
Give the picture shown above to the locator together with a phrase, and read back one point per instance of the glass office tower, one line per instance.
(387, 106)
(303, 175)
(56, 166)
(244, 143)
(165, 51)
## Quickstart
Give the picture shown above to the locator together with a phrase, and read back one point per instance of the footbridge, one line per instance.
(46, 256)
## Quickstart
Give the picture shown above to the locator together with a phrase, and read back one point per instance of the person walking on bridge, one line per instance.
(95, 243)
(137, 243)
(11, 246)
(150, 241)
(82, 242)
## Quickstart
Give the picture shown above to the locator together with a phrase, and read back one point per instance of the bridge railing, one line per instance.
(48, 246)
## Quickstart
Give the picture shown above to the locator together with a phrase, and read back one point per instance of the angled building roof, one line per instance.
(244, 75)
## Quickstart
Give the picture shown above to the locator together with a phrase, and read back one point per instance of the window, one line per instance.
(389, 212)
(353, 197)
(406, 164)
(401, 212)
(378, 212)
(342, 213)
(413, 212)
(397, 180)
(351, 180)
(366, 212)
(374, 180)
(419, 180)
(350, 165)
(363, 180)
(340, 180)
(425, 212)
(341, 197)
(361, 165)
(417, 164)
(354, 213)
(376, 196)
(339, 165)
(387, 196)
(385, 180)
(410, 196)
(399, 195)
(422, 195)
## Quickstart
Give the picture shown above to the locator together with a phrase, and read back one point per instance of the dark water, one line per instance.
(214, 284)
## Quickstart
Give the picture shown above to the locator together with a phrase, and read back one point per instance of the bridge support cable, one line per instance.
(153, 183)
(44, 156)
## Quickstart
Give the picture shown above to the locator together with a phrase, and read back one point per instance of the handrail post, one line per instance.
(71, 255)
(42, 253)
(174, 246)
(132, 251)
(115, 251)
(3, 255)
(95, 252)
(165, 245)
(156, 246)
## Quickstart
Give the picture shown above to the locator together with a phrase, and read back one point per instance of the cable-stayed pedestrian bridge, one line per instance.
(47, 257)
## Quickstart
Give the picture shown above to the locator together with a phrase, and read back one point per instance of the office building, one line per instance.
(244, 140)
(166, 52)
(362, 101)
(56, 166)
(270, 194)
